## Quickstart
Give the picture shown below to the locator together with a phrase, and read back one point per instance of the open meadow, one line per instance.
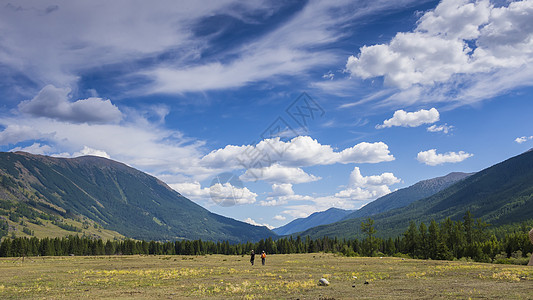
(292, 276)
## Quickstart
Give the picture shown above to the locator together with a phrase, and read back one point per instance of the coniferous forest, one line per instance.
(468, 239)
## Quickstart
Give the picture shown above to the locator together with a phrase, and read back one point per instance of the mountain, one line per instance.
(319, 218)
(408, 195)
(499, 195)
(112, 195)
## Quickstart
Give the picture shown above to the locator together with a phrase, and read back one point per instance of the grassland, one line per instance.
(293, 276)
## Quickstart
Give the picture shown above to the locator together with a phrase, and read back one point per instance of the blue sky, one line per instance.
(307, 104)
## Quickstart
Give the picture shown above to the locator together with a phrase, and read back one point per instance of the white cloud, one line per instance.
(301, 151)
(52, 102)
(250, 221)
(367, 187)
(366, 153)
(47, 47)
(271, 201)
(224, 194)
(191, 190)
(143, 145)
(90, 151)
(15, 133)
(282, 200)
(445, 128)
(277, 173)
(358, 180)
(360, 189)
(523, 139)
(35, 148)
(279, 218)
(282, 189)
(227, 195)
(431, 158)
(473, 48)
(411, 119)
(291, 49)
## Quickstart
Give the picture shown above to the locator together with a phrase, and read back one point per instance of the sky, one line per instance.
(267, 111)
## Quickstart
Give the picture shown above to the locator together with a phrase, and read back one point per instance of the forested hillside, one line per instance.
(111, 195)
(499, 195)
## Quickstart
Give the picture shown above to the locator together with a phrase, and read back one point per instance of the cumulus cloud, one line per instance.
(445, 128)
(251, 221)
(191, 190)
(461, 46)
(431, 158)
(411, 119)
(224, 194)
(278, 174)
(52, 102)
(523, 139)
(282, 194)
(227, 194)
(282, 189)
(279, 218)
(367, 187)
(301, 151)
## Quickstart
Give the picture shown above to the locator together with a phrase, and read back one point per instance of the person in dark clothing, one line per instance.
(252, 257)
(263, 257)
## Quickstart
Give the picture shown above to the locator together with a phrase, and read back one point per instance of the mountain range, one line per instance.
(499, 195)
(88, 195)
(111, 194)
(315, 219)
(408, 195)
(396, 199)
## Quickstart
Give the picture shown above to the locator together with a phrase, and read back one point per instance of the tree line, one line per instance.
(442, 241)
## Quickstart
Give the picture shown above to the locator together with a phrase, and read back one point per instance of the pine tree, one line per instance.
(369, 243)
(411, 239)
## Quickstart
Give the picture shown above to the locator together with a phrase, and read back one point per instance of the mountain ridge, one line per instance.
(118, 197)
(500, 194)
(406, 196)
(328, 216)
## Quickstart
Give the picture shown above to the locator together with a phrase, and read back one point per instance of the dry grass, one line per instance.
(292, 276)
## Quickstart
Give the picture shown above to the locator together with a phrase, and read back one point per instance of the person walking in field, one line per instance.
(263, 257)
(252, 257)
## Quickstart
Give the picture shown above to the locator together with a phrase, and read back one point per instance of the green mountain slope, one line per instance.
(118, 197)
(499, 195)
(408, 195)
(319, 218)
